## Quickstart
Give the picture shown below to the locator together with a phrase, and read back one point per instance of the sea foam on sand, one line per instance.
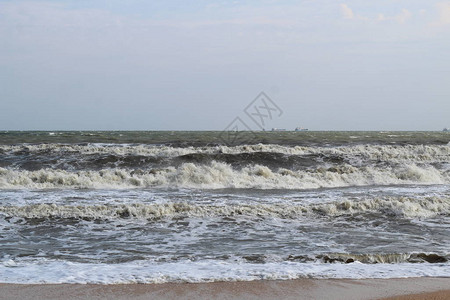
(205, 271)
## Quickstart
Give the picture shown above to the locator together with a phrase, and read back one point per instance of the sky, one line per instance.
(196, 65)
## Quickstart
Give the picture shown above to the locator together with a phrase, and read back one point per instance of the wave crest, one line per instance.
(373, 152)
(220, 175)
(403, 206)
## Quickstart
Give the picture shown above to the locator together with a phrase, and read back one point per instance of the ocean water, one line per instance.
(151, 207)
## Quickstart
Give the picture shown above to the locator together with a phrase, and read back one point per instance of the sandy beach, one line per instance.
(410, 288)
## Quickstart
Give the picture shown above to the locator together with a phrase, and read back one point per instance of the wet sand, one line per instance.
(439, 288)
(443, 295)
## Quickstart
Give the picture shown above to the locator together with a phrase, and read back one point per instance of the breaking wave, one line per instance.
(389, 206)
(382, 258)
(382, 152)
(221, 175)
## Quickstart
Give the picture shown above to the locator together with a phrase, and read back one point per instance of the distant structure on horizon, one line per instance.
(296, 129)
(446, 129)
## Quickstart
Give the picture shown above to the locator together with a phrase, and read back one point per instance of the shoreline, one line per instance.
(402, 289)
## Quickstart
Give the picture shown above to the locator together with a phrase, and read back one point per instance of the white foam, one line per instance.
(205, 271)
(221, 175)
(373, 152)
(398, 206)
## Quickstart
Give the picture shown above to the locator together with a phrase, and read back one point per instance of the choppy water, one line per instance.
(119, 207)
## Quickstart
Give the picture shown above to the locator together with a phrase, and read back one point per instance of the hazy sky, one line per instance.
(193, 65)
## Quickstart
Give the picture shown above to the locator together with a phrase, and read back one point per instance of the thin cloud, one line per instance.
(346, 11)
(443, 9)
(401, 18)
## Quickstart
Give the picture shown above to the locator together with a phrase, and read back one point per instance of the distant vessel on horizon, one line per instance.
(296, 129)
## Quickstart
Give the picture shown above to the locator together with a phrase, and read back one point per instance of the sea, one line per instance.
(110, 207)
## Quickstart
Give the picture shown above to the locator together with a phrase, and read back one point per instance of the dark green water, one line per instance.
(208, 138)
